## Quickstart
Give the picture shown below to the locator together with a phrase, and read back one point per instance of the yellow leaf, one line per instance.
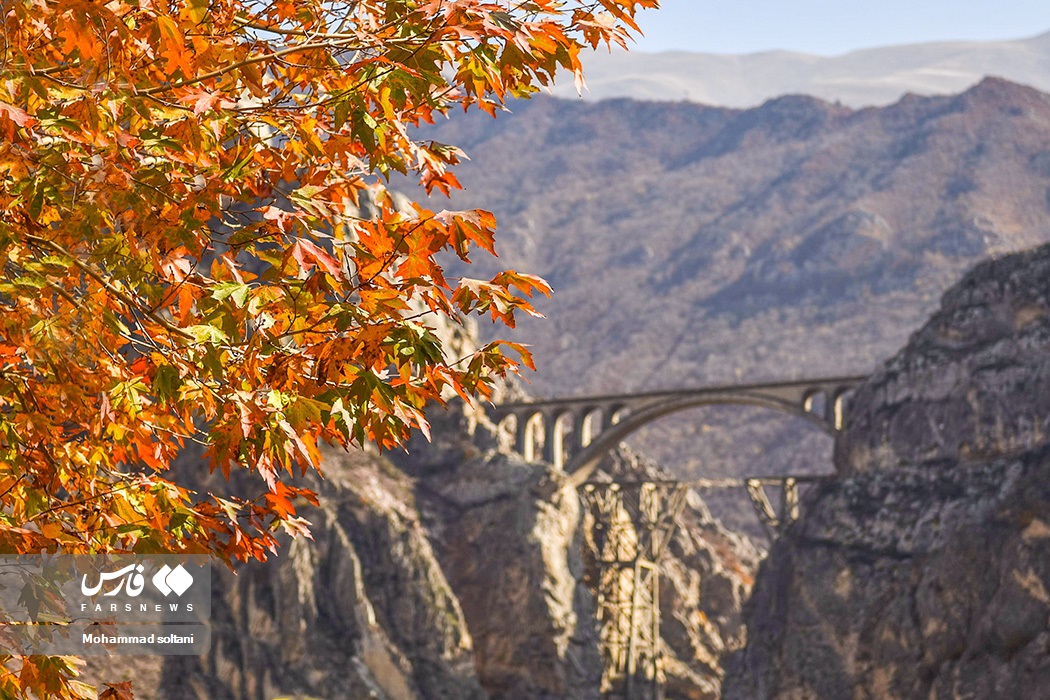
(51, 530)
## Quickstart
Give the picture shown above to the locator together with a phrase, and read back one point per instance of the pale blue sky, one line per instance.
(831, 27)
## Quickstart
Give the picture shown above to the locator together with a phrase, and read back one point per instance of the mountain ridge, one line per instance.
(874, 76)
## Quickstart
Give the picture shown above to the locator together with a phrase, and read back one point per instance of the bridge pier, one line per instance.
(590, 421)
(551, 452)
(772, 521)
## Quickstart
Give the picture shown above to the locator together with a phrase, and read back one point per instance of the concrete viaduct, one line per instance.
(574, 434)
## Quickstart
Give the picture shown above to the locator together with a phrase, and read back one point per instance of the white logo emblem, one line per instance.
(169, 580)
(131, 574)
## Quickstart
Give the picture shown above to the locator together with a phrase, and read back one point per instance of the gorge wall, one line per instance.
(453, 571)
(925, 571)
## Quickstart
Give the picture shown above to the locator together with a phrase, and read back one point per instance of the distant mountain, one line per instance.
(691, 245)
(701, 244)
(876, 76)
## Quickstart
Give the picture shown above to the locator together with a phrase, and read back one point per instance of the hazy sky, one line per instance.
(833, 26)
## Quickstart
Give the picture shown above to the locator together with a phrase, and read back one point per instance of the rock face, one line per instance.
(973, 384)
(510, 539)
(361, 611)
(925, 570)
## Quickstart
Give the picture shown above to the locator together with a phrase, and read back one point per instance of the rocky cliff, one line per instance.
(925, 571)
(456, 574)
(511, 540)
(361, 610)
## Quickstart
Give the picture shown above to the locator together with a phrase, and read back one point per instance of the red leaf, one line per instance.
(18, 116)
(204, 101)
(306, 254)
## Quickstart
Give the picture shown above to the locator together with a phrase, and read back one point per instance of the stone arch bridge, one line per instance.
(632, 522)
(574, 434)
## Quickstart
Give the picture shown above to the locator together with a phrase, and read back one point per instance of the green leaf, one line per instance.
(231, 290)
(207, 334)
(344, 421)
(197, 10)
(305, 410)
(179, 519)
(36, 204)
(233, 173)
(262, 296)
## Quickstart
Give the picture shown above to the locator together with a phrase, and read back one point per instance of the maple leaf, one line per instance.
(117, 691)
(308, 254)
(199, 245)
(205, 100)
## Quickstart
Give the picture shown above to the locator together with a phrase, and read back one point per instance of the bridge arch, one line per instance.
(582, 464)
(561, 429)
(592, 422)
(816, 402)
(532, 435)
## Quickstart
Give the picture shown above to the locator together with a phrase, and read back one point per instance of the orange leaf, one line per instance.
(117, 691)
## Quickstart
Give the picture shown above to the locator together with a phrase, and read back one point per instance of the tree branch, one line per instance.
(98, 277)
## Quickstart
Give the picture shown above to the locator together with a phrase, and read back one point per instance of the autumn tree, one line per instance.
(198, 245)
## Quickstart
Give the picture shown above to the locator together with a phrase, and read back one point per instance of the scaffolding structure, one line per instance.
(774, 522)
(631, 524)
